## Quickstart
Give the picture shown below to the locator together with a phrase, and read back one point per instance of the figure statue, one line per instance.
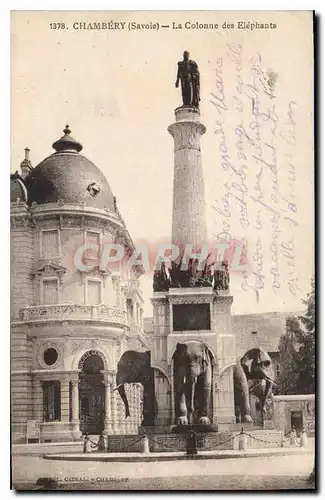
(189, 75)
(253, 374)
(221, 277)
(161, 281)
(135, 367)
(225, 275)
(179, 278)
(192, 383)
(156, 281)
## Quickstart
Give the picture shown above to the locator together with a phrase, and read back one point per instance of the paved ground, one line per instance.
(262, 473)
(174, 455)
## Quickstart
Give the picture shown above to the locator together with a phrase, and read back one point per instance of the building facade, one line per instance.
(69, 323)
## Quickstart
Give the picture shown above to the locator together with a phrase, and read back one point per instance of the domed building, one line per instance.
(70, 323)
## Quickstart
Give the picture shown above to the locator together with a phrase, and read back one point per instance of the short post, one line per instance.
(293, 436)
(282, 440)
(87, 444)
(303, 438)
(101, 445)
(144, 444)
(191, 444)
(242, 440)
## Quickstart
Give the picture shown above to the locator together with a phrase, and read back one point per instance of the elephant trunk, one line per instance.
(191, 393)
(121, 390)
(265, 376)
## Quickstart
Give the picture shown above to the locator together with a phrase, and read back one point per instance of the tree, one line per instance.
(306, 339)
(288, 379)
(297, 351)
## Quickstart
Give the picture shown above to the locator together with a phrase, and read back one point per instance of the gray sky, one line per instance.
(116, 91)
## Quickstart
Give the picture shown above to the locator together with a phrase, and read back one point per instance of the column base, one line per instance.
(76, 432)
(108, 428)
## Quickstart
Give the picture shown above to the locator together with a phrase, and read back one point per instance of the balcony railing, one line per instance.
(69, 312)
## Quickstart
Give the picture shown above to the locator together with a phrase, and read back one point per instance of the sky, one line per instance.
(115, 88)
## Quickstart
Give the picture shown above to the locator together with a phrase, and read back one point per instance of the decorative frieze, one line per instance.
(191, 299)
(75, 312)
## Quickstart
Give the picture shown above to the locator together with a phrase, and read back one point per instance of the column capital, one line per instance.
(108, 377)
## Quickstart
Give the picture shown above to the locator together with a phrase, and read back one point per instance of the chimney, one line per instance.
(25, 166)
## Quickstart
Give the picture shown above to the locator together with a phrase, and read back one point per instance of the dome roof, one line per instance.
(17, 188)
(68, 176)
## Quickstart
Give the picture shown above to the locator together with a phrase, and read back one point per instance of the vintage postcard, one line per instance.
(162, 250)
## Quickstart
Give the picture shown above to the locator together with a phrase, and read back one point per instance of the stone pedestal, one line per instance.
(218, 338)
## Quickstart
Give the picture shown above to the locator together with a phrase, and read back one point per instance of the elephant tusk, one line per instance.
(270, 380)
(115, 388)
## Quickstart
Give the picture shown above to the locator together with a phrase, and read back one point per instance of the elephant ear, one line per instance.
(253, 358)
(247, 360)
(205, 354)
(264, 358)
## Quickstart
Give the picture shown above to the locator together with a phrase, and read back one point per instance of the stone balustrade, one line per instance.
(70, 312)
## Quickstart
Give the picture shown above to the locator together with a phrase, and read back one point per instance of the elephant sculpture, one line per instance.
(253, 374)
(135, 367)
(192, 383)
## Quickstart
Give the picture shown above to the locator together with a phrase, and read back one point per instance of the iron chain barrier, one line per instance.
(163, 446)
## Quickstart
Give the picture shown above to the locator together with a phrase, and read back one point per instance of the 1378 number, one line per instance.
(57, 26)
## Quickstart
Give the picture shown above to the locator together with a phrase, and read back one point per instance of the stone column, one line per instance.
(172, 394)
(75, 408)
(64, 400)
(108, 429)
(135, 409)
(122, 419)
(189, 213)
(114, 395)
(115, 423)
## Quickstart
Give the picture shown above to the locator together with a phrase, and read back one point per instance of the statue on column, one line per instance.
(189, 75)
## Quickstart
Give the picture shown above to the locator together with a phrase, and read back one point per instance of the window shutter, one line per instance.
(50, 292)
(93, 292)
(50, 244)
(92, 239)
